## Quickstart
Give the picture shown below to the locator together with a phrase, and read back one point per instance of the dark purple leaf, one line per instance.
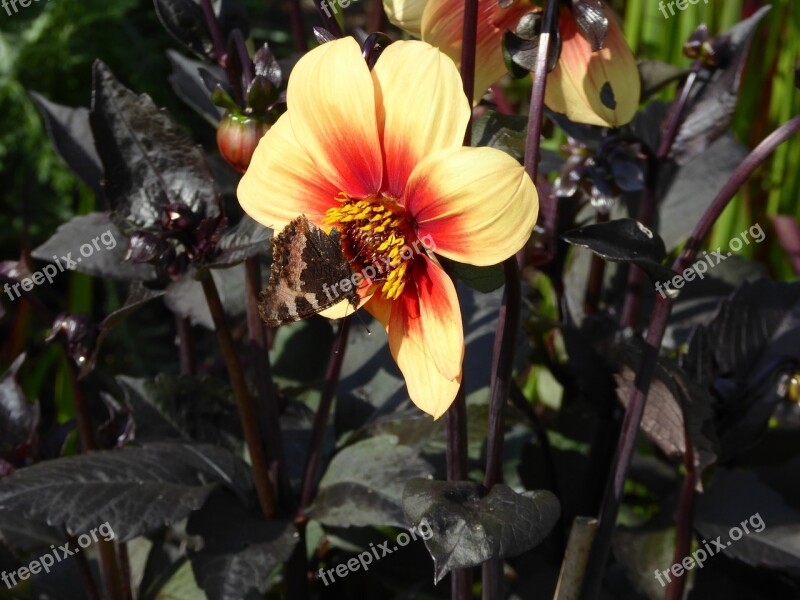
(188, 84)
(96, 246)
(470, 526)
(18, 417)
(592, 22)
(72, 139)
(624, 240)
(711, 111)
(149, 161)
(136, 489)
(240, 547)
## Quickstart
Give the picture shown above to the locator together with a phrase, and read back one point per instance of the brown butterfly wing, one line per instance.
(306, 263)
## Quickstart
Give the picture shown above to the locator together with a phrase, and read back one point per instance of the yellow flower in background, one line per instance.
(596, 88)
(441, 24)
(378, 155)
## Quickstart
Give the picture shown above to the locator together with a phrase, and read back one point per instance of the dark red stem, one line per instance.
(658, 323)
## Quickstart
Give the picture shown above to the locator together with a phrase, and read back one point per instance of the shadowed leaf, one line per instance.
(470, 526)
(135, 489)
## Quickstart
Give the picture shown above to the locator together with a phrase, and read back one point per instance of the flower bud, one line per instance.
(78, 333)
(237, 138)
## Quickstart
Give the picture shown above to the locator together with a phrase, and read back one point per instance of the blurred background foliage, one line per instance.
(49, 47)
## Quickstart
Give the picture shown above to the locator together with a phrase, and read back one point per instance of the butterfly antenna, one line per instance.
(358, 316)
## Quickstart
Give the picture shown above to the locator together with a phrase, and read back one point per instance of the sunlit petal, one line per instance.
(474, 205)
(282, 182)
(597, 88)
(406, 14)
(425, 336)
(443, 25)
(331, 101)
(413, 125)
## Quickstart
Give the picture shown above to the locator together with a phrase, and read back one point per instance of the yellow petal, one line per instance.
(421, 108)
(331, 102)
(473, 205)
(443, 26)
(596, 88)
(425, 336)
(282, 182)
(406, 14)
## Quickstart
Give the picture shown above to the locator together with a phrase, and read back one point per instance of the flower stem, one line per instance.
(683, 526)
(536, 113)
(456, 431)
(244, 403)
(108, 554)
(185, 345)
(596, 273)
(298, 27)
(377, 17)
(658, 324)
(89, 585)
(323, 414)
(647, 207)
(502, 363)
(267, 404)
(468, 51)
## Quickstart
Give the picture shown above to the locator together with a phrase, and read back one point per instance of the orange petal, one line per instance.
(331, 102)
(473, 205)
(597, 88)
(406, 14)
(425, 336)
(443, 26)
(282, 182)
(421, 107)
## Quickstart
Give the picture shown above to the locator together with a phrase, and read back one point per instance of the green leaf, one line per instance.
(482, 279)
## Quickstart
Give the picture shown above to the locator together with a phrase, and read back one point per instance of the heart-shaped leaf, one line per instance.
(470, 526)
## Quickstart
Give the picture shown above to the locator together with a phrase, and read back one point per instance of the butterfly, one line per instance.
(307, 268)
